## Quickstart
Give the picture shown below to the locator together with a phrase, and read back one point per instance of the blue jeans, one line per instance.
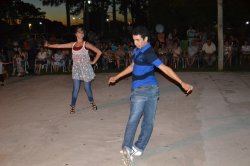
(143, 104)
(76, 88)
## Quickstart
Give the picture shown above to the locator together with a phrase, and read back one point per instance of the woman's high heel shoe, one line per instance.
(72, 110)
(93, 105)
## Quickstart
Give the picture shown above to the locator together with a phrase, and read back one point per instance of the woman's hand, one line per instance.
(46, 43)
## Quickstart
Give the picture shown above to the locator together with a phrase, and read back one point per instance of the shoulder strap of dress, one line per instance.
(83, 44)
(73, 44)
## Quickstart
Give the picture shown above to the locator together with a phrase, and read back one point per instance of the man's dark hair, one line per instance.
(141, 30)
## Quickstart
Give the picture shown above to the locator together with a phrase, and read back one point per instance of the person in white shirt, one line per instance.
(176, 51)
(208, 50)
(228, 51)
(58, 60)
(191, 34)
(2, 71)
(41, 59)
(193, 51)
(245, 53)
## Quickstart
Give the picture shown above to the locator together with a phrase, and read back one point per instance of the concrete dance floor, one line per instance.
(210, 127)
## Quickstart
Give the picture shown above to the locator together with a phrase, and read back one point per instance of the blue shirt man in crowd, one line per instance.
(145, 93)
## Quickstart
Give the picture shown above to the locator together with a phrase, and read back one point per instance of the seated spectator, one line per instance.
(119, 56)
(67, 58)
(49, 57)
(227, 53)
(192, 53)
(4, 55)
(162, 52)
(113, 47)
(17, 65)
(108, 59)
(208, 50)
(176, 51)
(126, 51)
(5, 59)
(58, 60)
(245, 53)
(130, 56)
(184, 46)
(24, 56)
(15, 45)
(106, 50)
(191, 34)
(169, 52)
(41, 59)
(14, 65)
(2, 71)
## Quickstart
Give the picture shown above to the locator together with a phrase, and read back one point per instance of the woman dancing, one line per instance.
(82, 70)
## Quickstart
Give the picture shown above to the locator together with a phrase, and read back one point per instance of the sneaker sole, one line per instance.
(126, 158)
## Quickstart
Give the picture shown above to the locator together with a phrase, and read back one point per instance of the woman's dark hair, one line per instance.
(77, 28)
(141, 30)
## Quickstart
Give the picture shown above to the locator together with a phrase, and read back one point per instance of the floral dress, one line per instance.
(82, 69)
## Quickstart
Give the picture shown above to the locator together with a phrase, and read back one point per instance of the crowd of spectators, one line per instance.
(194, 50)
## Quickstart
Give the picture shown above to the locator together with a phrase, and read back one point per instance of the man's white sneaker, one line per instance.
(136, 152)
(127, 157)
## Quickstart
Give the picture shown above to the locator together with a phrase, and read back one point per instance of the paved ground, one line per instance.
(211, 127)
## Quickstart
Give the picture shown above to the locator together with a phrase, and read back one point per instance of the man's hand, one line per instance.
(188, 88)
(112, 80)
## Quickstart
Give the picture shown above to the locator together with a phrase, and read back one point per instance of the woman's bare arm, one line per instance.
(65, 45)
(97, 52)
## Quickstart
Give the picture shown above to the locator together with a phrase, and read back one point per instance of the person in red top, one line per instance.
(82, 70)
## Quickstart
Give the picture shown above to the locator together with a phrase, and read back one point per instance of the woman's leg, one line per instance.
(88, 90)
(39, 68)
(76, 87)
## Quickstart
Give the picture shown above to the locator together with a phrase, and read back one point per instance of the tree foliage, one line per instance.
(176, 13)
(12, 11)
(171, 13)
(57, 3)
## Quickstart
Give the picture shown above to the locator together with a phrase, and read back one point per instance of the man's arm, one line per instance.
(126, 71)
(169, 72)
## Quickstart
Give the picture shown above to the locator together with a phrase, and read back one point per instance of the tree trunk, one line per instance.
(102, 13)
(67, 15)
(126, 18)
(220, 34)
(114, 11)
(86, 16)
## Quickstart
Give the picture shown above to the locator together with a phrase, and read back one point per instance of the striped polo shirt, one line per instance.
(144, 60)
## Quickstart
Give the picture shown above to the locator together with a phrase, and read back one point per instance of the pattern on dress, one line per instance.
(82, 69)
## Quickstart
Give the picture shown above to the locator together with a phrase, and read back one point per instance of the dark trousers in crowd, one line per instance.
(2, 79)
